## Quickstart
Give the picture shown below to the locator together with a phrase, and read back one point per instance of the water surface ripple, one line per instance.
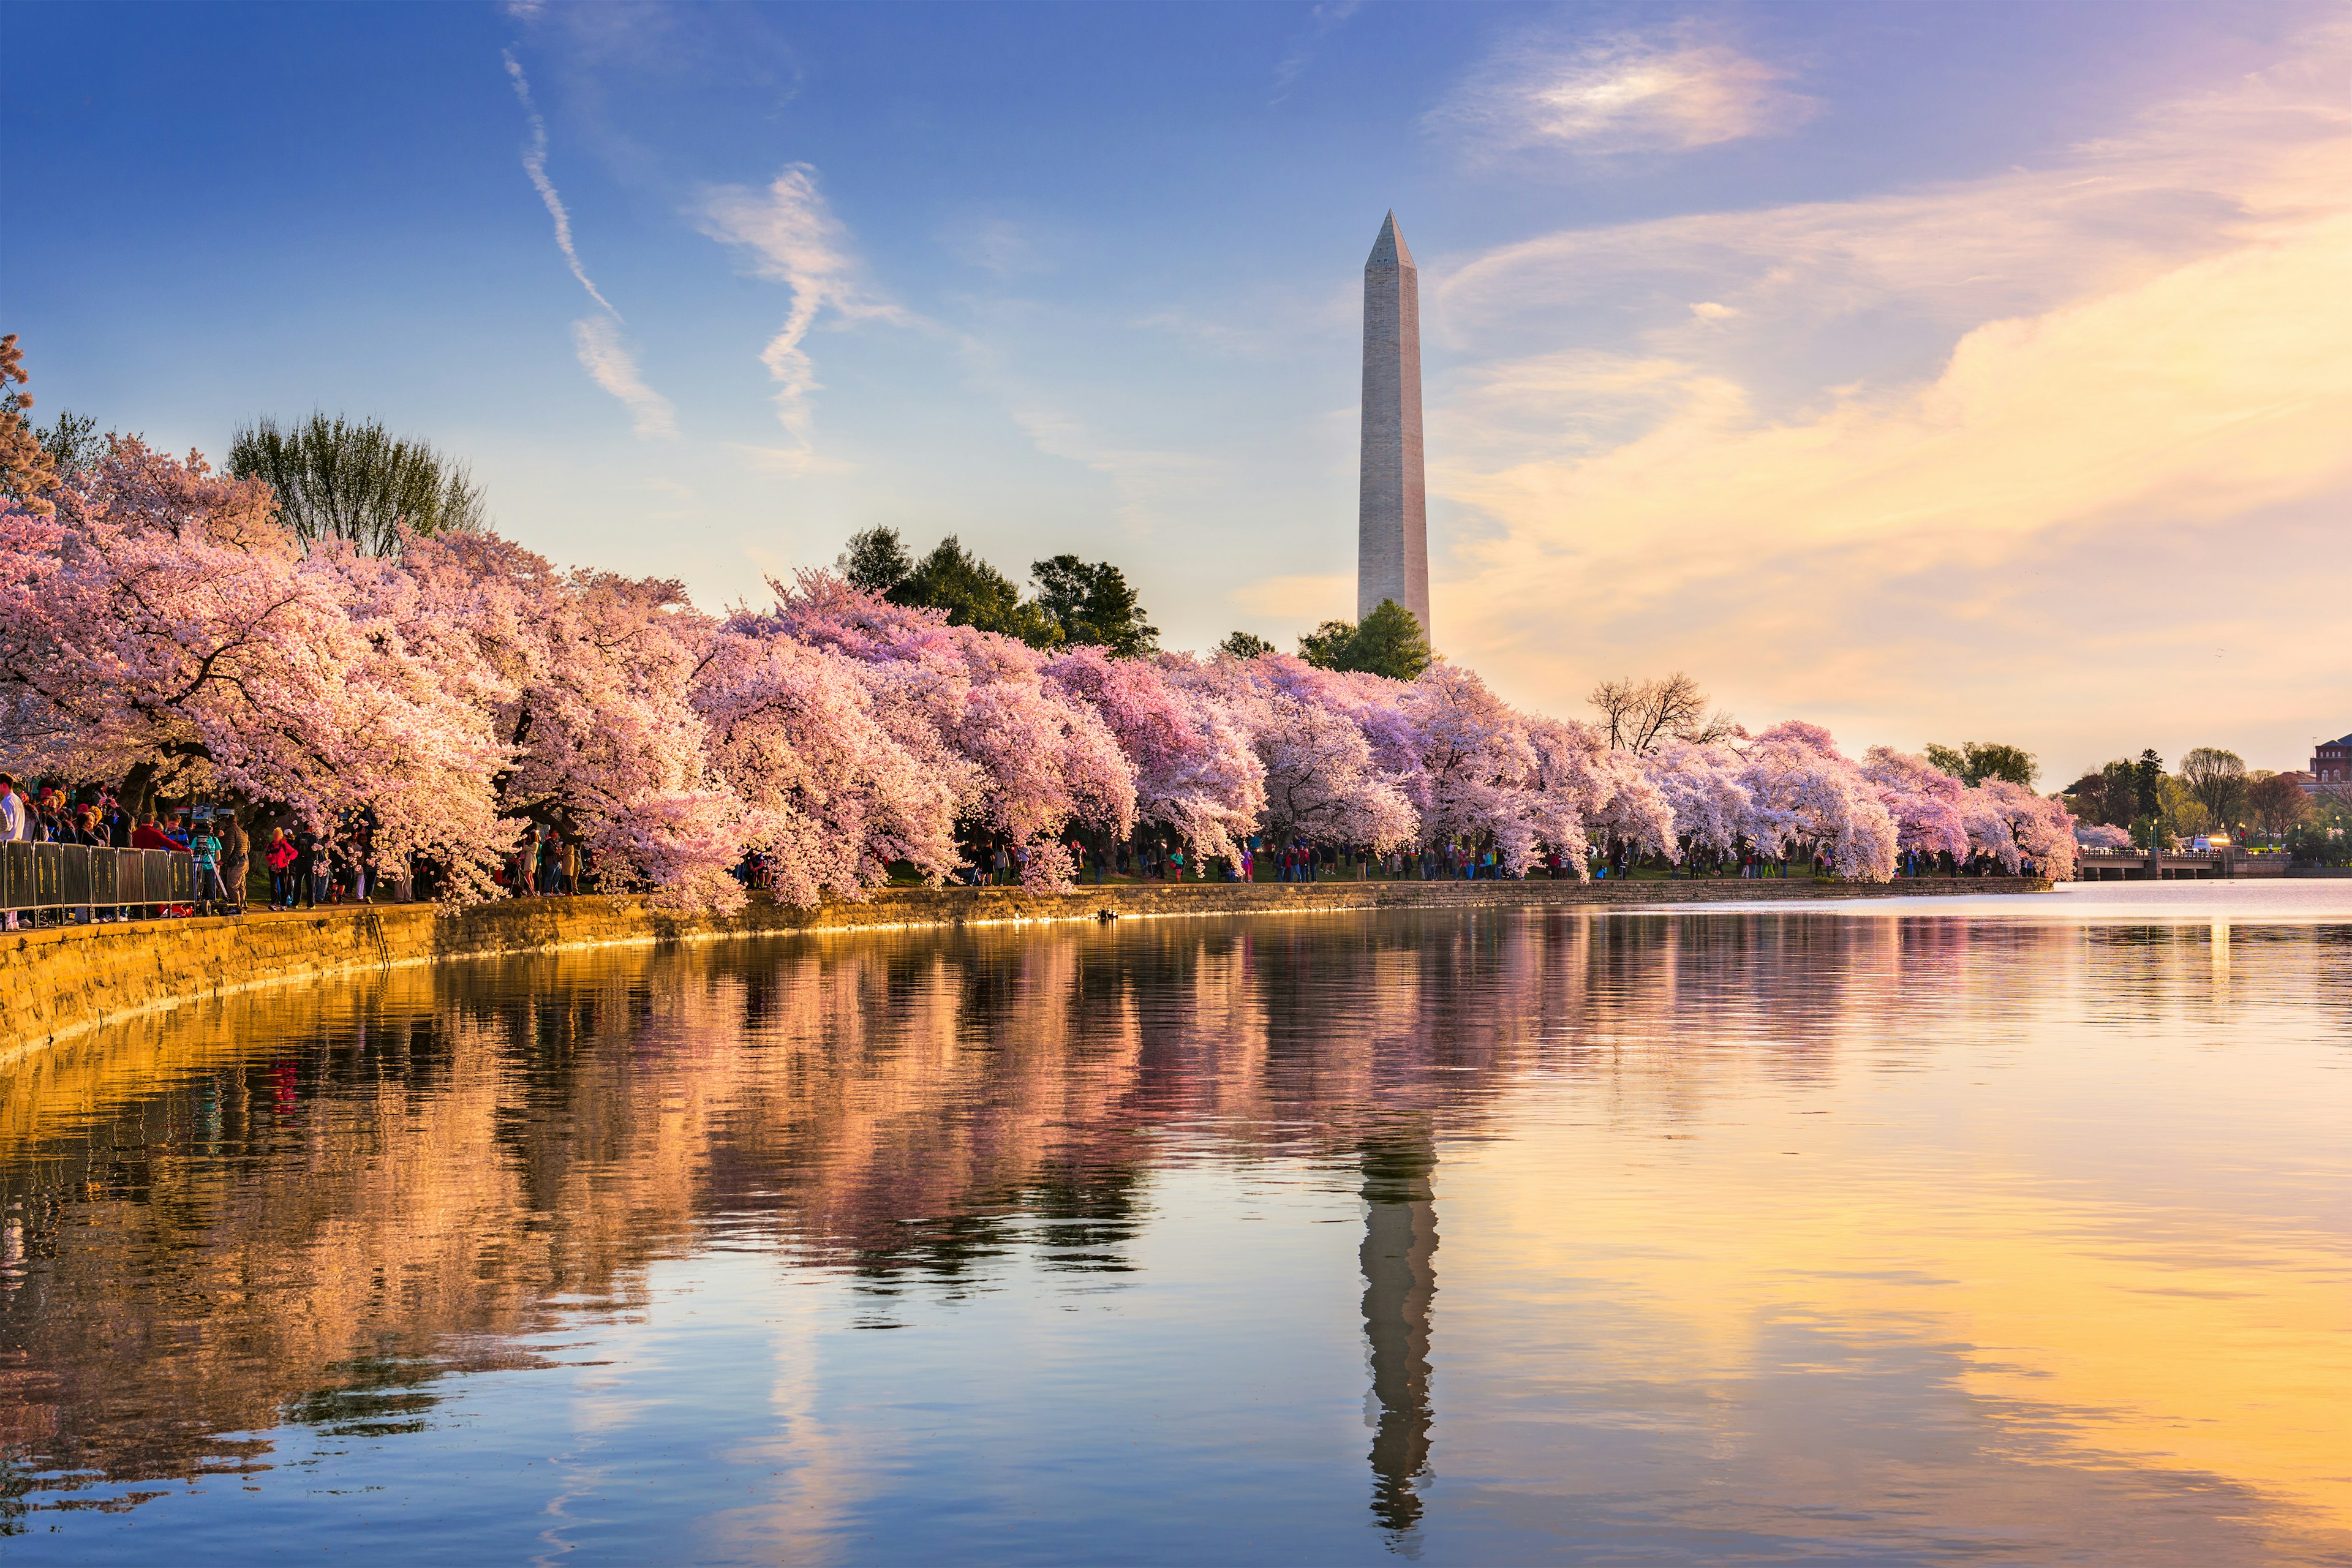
(2001, 1231)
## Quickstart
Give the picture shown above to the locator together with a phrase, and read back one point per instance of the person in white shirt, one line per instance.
(14, 828)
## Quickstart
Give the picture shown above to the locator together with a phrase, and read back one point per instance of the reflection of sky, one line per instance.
(1801, 1237)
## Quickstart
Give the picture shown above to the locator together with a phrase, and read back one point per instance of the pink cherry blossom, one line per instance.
(163, 620)
(1924, 800)
(178, 627)
(1812, 801)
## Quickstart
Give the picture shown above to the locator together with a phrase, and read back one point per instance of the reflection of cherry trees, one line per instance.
(266, 1202)
(164, 625)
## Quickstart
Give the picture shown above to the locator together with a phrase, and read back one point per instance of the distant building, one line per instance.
(2331, 766)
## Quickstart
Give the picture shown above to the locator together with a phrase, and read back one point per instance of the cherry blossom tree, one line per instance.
(1810, 799)
(1924, 800)
(176, 633)
(1479, 775)
(1027, 758)
(2012, 824)
(829, 794)
(587, 677)
(1322, 782)
(1618, 800)
(1195, 772)
(1705, 789)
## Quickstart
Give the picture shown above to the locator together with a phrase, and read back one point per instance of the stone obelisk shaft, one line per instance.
(1392, 509)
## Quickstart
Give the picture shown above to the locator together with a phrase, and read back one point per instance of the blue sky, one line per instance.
(1882, 365)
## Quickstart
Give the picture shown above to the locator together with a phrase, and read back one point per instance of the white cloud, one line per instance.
(794, 239)
(1623, 94)
(2099, 432)
(605, 357)
(534, 164)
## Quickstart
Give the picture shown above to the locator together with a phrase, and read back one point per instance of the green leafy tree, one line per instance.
(2218, 780)
(1976, 761)
(2183, 815)
(1091, 603)
(1327, 644)
(1244, 645)
(974, 594)
(1389, 642)
(2327, 838)
(337, 478)
(875, 561)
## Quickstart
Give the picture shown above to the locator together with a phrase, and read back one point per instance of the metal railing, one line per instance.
(82, 877)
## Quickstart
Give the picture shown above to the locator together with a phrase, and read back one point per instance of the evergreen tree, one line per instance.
(1390, 642)
(2147, 775)
(1244, 645)
(72, 442)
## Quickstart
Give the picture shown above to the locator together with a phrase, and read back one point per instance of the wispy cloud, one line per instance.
(1001, 246)
(596, 340)
(1150, 485)
(604, 356)
(1624, 93)
(794, 239)
(1325, 19)
(534, 164)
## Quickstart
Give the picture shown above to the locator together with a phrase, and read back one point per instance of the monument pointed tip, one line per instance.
(1389, 248)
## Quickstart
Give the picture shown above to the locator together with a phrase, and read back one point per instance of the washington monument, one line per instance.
(1392, 509)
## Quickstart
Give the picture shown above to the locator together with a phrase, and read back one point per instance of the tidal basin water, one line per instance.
(1988, 1231)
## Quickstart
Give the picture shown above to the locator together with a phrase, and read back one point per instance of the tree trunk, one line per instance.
(137, 796)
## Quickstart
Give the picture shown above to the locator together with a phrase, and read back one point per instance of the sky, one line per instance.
(1929, 372)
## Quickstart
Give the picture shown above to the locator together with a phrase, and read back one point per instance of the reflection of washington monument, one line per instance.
(1399, 1276)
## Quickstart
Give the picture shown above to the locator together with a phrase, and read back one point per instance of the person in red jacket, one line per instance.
(147, 836)
(280, 855)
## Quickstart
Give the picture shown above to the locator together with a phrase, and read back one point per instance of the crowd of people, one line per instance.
(302, 868)
(46, 812)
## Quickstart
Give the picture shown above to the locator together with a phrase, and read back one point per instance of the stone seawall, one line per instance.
(63, 981)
